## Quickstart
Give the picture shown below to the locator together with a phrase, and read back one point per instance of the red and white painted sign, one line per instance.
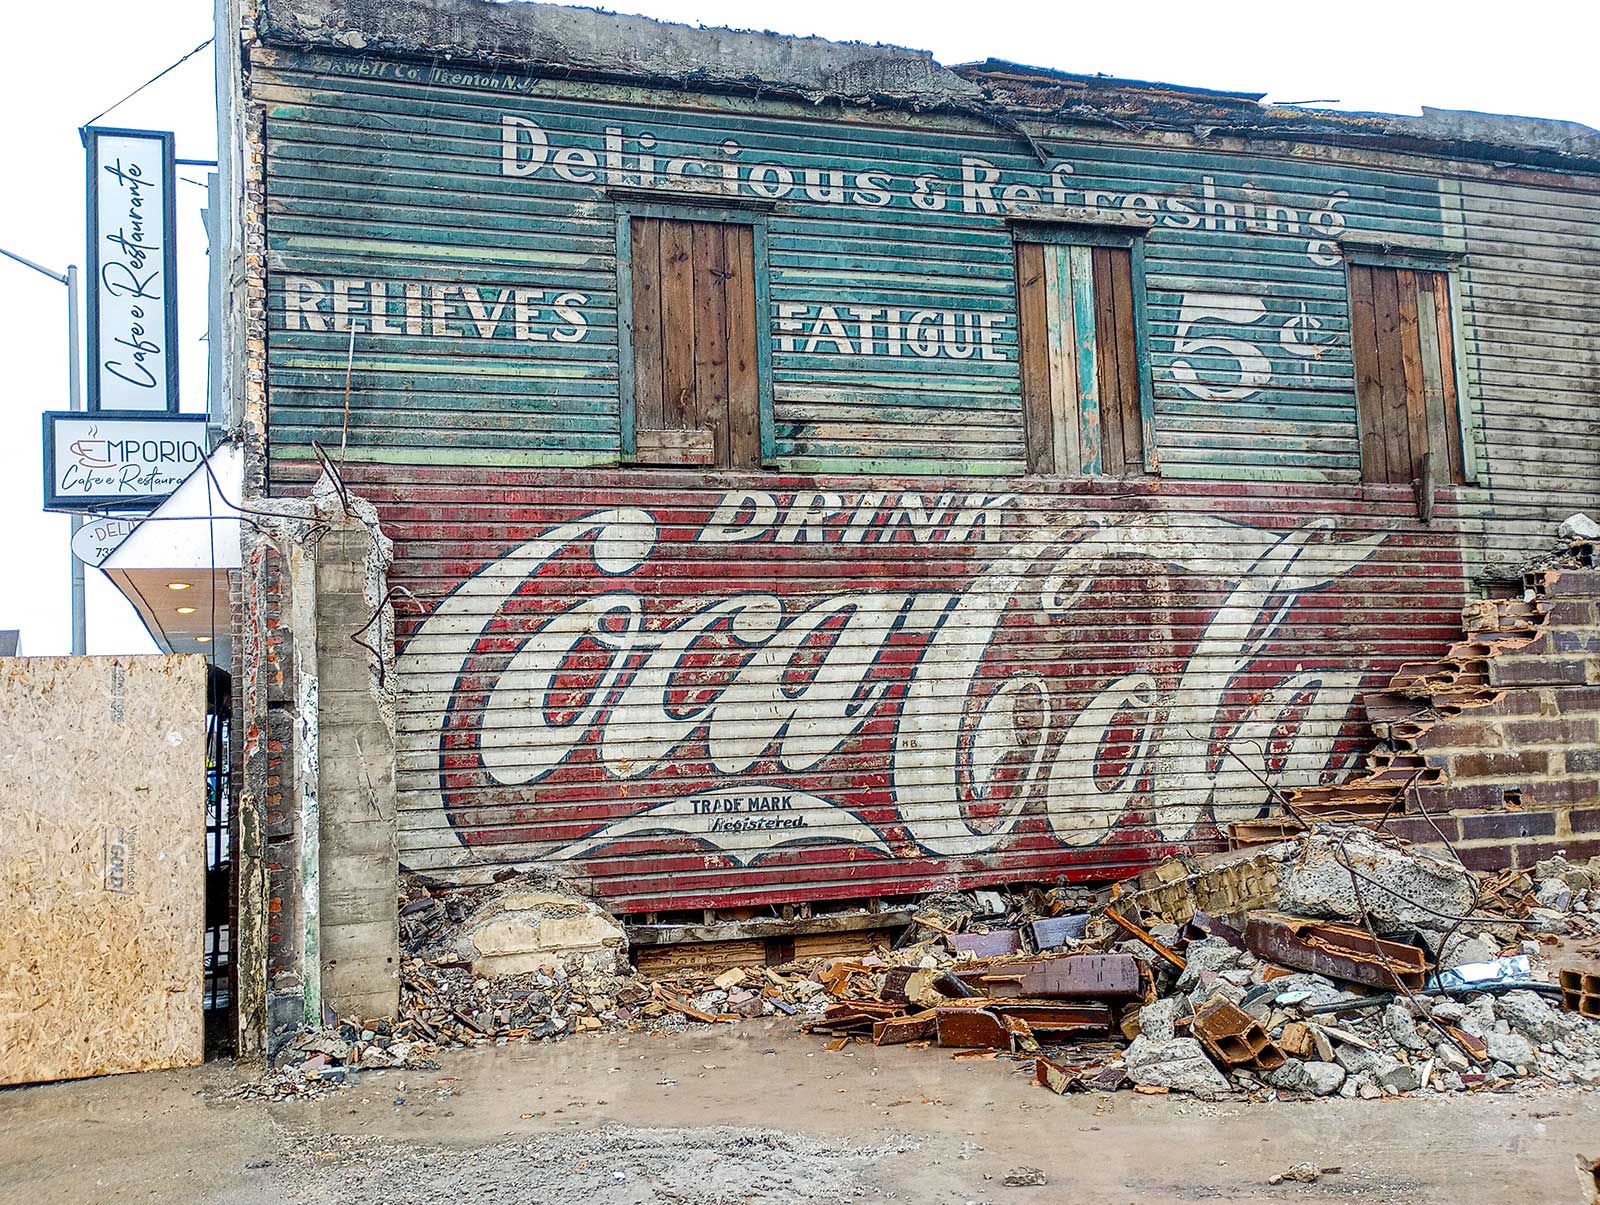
(775, 683)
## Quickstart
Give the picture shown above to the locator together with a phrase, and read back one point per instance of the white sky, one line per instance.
(67, 61)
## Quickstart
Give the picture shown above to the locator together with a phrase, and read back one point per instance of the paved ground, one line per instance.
(759, 1113)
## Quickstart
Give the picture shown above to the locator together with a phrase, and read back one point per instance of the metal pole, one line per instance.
(80, 621)
(74, 402)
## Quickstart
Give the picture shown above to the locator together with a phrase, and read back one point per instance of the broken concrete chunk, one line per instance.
(1554, 894)
(1528, 1015)
(1311, 1077)
(1024, 1177)
(1357, 1060)
(1180, 1065)
(1463, 951)
(1209, 954)
(1157, 1020)
(1398, 886)
(1394, 1076)
(540, 930)
(1401, 1026)
(1578, 526)
(1510, 1048)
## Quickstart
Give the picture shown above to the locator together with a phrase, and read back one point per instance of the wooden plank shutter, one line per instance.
(1406, 404)
(1080, 361)
(696, 392)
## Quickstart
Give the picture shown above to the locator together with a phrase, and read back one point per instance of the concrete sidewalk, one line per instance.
(759, 1113)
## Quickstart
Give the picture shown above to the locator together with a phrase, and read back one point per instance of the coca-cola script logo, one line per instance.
(630, 676)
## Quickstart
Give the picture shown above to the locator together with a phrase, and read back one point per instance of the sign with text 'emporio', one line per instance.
(119, 463)
(133, 271)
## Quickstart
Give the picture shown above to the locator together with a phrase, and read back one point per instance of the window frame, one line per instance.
(1446, 264)
(630, 204)
(1122, 236)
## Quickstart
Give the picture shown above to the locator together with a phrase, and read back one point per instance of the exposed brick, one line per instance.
(1537, 671)
(1570, 583)
(1576, 851)
(1512, 826)
(1584, 820)
(1462, 733)
(1518, 702)
(1562, 791)
(1578, 699)
(1448, 798)
(1577, 641)
(1571, 613)
(1419, 831)
(1579, 731)
(1513, 764)
(1580, 760)
(1486, 857)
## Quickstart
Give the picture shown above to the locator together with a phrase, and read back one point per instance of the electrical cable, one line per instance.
(148, 82)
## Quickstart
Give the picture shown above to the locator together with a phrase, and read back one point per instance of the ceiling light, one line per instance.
(178, 585)
(185, 610)
(202, 640)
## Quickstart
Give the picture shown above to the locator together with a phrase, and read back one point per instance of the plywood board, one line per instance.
(102, 864)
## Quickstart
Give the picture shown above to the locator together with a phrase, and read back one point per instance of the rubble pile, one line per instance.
(319, 1061)
(1343, 962)
(1340, 962)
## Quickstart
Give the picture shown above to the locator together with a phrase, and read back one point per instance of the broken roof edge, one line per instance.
(591, 43)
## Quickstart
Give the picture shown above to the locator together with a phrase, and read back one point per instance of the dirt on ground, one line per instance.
(760, 1114)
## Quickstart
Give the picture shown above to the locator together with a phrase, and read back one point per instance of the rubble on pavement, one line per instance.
(1257, 973)
(1219, 1010)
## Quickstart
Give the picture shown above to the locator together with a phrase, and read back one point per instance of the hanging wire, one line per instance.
(149, 81)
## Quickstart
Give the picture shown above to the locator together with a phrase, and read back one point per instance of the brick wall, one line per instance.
(1496, 746)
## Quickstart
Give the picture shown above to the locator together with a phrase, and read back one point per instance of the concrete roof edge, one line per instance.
(592, 43)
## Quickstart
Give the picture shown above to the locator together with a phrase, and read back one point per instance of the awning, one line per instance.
(173, 567)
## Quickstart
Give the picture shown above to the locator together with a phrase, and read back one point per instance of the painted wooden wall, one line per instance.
(891, 659)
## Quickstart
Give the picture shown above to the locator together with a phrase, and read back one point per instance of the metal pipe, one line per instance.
(80, 617)
(74, 402)
(22, 259)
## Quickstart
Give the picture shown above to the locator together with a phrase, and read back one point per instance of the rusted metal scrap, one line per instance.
(1067, 977)
(1338, 951)
(1062, 1078)
(1052, 932)
(995, 944)
(896, 1031)
(1056, 1020)
(998, 1025)
(1234, 1038)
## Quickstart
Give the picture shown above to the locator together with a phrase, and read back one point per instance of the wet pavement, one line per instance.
(758, 1113)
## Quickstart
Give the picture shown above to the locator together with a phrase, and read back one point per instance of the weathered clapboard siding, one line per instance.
(1530, 308)
(363, 173)
(885, 659)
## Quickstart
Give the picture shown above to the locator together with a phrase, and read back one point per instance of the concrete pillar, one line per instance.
(358, 859)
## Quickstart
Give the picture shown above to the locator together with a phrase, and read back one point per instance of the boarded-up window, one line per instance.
(696, 393)
(1400, 331)
(1080, 361)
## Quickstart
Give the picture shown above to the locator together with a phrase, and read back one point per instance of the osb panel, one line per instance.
(102, 864)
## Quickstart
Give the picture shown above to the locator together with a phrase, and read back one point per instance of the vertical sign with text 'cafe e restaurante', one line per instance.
(132, 277)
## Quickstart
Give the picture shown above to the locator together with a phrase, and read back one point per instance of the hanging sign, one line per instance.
(102, 461)
(98, 538)
(133, 271)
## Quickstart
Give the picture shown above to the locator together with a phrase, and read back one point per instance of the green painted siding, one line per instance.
(499, 341)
